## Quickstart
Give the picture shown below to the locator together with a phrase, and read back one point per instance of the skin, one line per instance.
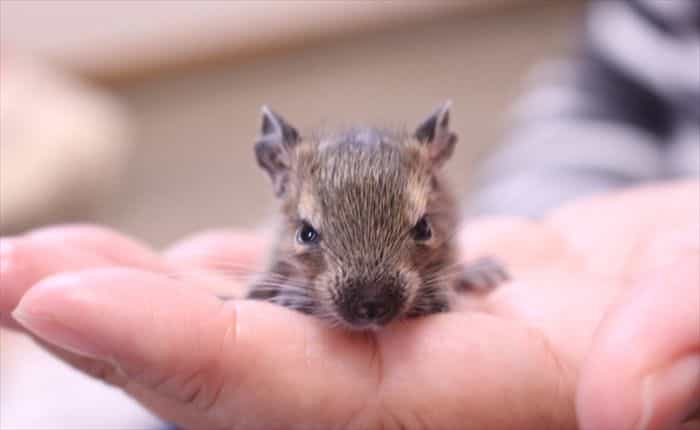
(598, 330)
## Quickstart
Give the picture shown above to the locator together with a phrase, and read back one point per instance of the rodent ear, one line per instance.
(435, 132)
(272, 150)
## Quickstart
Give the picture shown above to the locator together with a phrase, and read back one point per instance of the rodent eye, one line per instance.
(421, 231)
(306, 234)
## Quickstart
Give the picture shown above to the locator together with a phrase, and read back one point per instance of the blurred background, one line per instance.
(141, 115)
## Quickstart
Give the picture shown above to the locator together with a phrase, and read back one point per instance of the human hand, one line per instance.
(638, 366)
(515, 363)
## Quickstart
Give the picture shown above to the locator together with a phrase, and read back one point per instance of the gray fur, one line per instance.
(363, 190)
(273, 149)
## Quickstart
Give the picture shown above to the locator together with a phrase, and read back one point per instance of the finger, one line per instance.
(117, 333)
(643, 370)
(632, 217)
(103, 242)
(194, 359)
(204, 364)
(23, 263)
(222, 262)
(218, 250)
(27, 259)
(519, 242)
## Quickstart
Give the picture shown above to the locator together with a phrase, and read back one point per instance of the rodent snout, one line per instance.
(364, 304)
(372, 309)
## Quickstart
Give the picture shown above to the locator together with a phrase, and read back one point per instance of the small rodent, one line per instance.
(368, 226)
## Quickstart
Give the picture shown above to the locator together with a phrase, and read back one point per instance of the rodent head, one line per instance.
(367, 232)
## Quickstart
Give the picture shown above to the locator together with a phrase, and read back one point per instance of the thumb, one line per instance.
(152, 336)
(193, 359)
(643, 370)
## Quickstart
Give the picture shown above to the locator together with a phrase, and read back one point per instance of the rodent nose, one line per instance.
(372, 310)
(376, 303)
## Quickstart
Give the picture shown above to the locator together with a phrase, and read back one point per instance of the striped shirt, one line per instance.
(625, 109)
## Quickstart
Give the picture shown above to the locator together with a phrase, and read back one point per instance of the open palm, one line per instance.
(604, 297)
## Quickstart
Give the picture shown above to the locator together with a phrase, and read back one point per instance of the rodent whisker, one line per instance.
(327, 317)
(281, 280)
(205, 276)
(235, 274)
(279, 276)
(442, 274)
(228, 265)
(442, 270)
(232, 274)
(275, 286)
(293, 294)
(296, 301)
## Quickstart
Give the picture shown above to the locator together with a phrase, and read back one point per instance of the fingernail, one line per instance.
(38, 316)
(670, 394)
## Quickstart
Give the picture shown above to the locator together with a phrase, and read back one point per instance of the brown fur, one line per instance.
(363, 190)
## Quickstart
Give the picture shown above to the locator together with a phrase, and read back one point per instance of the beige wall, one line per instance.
(193, 166)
